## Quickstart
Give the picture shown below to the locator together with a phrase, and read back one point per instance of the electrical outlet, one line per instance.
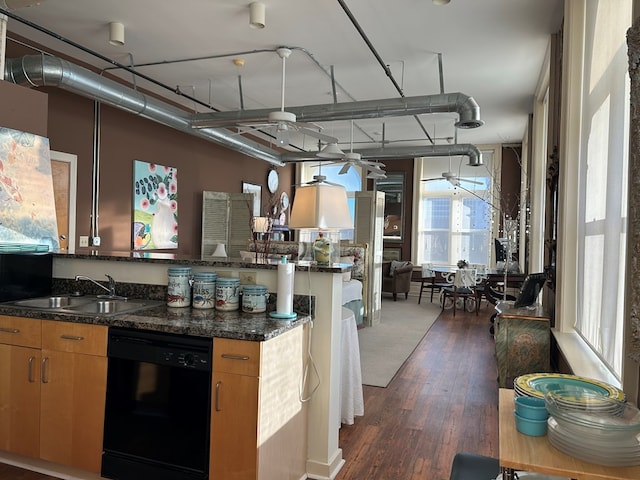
(84, 240)
(248, 278)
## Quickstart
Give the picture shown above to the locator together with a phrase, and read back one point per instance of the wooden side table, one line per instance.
(536, 454)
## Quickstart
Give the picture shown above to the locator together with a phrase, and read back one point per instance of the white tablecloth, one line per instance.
(351, 399)
(351, 290)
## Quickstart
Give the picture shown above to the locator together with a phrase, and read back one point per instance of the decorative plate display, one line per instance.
(284, 201)
(272, 181)
(538, 384)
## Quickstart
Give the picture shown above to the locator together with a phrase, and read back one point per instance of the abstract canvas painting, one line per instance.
(27, 203)
(155, 206)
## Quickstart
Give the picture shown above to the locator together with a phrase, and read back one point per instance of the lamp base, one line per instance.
(285, 316)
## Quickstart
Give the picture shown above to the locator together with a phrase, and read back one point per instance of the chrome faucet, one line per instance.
(111, 288)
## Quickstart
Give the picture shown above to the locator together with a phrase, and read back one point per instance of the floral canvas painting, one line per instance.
(155, 206)
(27, 204)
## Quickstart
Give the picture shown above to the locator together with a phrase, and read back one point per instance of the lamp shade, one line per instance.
(257, 12)
(320, 206)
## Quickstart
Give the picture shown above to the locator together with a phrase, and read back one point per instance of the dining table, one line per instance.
(520, 452)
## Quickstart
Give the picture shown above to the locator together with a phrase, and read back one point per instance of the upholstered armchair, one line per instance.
(396, 278)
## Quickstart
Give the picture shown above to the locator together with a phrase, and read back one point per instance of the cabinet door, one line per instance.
(19, 400)
(234, 427)
(72, 409)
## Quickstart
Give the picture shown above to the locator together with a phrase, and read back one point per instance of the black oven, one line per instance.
(158, 405)
(25, 275)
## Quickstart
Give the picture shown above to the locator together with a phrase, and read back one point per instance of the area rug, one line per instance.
(386, 346)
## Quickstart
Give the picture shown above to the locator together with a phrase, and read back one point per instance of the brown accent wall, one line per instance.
(202, 165)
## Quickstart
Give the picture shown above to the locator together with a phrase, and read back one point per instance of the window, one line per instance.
(602, 180)
(454, 219)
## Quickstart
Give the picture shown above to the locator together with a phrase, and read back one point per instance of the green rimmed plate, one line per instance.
(538, 384)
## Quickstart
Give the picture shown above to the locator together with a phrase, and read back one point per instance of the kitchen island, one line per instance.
(147, 278)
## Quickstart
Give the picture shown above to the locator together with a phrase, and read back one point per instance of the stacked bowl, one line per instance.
(531, 416)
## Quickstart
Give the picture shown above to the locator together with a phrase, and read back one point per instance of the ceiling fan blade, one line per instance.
(345, 168)
(314, 134)
(477, 196)
(468, 180)
(431, 179)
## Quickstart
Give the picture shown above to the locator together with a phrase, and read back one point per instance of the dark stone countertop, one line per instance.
(186, 320)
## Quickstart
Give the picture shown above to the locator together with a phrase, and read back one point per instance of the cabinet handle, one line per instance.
(72, 337)
(31, 376)
(234, 357)
(43, 370)
(9, 330)
(218, 386)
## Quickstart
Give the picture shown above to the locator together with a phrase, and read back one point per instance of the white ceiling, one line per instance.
(491, 50)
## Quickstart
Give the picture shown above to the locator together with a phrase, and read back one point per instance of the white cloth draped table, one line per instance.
(351, 399)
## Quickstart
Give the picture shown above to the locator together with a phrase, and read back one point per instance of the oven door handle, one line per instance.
(217, 403)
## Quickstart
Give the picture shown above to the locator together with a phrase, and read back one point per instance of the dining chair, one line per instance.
(464, 284)
(431, 280)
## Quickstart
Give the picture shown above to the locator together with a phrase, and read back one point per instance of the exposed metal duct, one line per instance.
(465, 149)
(42, 70)
(464, 105)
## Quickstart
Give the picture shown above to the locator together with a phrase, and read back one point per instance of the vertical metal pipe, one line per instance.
(3, 43)
(95, 187)
(440, 73)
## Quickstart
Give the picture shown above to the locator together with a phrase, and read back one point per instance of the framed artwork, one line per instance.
(256, 191)
(155, 206)
(27, 204)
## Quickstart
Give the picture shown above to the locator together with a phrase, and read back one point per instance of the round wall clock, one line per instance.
(272, 181)
(284, 201)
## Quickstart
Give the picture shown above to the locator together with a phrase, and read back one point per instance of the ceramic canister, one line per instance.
(227, 293)
(254, 298)
(204, 289)
(179, 287)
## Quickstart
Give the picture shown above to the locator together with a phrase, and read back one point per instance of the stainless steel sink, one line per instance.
(84, 304)
(109, 306)
(53, 302)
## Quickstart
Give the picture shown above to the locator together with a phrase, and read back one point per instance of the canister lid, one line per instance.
(254, 289)
(228, 281)
(179, 270)
(205, 276)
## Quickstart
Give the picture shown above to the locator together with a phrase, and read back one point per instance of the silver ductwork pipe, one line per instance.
(49, 71)
(464, 105)
(465, 149)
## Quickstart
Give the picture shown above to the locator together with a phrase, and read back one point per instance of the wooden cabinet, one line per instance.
(258, 419)
(20, 342)
(52, 390)
(522, 337)
(74, 379)
(234, 416)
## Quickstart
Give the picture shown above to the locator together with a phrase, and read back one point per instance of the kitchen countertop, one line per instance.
(186, 320)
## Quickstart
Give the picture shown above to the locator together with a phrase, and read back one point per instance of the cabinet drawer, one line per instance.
(236, 356)
(74, 337)
(25, 332)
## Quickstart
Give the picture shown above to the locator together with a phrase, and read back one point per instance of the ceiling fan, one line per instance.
(351, 158)
(285, 122)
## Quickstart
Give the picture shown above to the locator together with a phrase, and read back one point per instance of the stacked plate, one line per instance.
(594, 428)
(538, 384)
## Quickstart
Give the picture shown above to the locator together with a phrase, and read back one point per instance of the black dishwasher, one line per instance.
(157, 417)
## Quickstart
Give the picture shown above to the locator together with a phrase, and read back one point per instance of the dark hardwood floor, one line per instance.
(443, 400)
